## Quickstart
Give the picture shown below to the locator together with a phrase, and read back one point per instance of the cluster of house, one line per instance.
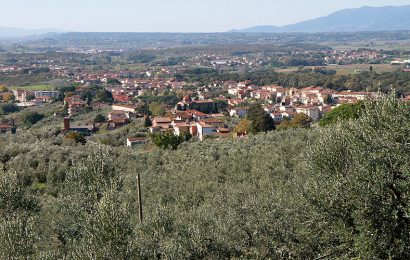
(347, 57)
(125, 80)
(131, 88)
(287, 102)
(400, 63)
(84, 77)
(186, 119)
(194, 122)
(120, 116)
(10, 68)
(27, 98)
(226, 62)
(75, 105)
(197, 118)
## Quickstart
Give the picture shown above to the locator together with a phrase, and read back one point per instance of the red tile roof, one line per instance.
(4, 126)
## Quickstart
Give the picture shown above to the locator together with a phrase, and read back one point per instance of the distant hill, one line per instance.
(260, 28)
(388, 18)
(11, 32)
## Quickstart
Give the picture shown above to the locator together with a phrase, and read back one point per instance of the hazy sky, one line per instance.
(168, 15)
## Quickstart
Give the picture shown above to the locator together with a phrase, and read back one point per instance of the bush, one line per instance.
(99, 119)
(169, 140)
(343, 112)
(338, 192)
(260, 120)
(8, 108)
(77, 137)
(360, 192)
(298, 121)
(31, 118)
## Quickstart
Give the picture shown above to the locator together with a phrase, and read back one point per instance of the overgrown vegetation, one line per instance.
(333, 192)
(342, 113)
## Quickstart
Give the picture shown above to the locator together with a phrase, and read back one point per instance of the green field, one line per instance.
(403, 45)
(346, 69)
(355, 68)
(35, 87)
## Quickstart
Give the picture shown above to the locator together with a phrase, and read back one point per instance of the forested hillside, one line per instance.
(340, 191)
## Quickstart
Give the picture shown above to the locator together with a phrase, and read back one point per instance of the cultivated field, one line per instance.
(346, 69)
(35, 87)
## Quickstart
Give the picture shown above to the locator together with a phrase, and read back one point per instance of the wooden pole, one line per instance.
(139, 196)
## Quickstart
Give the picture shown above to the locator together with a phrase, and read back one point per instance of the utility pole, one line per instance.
(139, 196)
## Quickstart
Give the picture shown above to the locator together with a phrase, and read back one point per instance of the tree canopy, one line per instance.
(343, 112)
(260, 120)
(339, 192)
(298, 121)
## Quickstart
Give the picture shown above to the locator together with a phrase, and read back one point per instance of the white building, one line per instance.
(42, 93)
(311, 111)
(277, 117)
(136, 141)
(126, 108)
(204, 130)
(239, 112)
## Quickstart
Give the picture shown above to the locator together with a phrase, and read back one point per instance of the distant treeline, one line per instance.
(366, 80)
(161, 40)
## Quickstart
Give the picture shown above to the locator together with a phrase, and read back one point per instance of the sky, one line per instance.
(168, 15)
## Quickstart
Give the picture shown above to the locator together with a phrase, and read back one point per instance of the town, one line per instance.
(205, 130)
(177, 99)
(196, 114)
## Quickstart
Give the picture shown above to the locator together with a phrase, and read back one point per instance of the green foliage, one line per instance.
(64, 90)
(343, 112)
(109, 233)
(143, 57)
(260, 120)
(8, 108)
(170, 99)
(39, 187)
(3, 88)
(207, 108)
(294, 62)
(104, 96)
(99, 118)
(17, 236)
(147, 121)
(221, 105)
(156, 109)
(13, 196)
(7, 97)
(298, 121)
(360, 189)
(35, 87)
(143, 108)
(113, 81)
(338, 192)
(243, 127)
(169, 140)
(30, 97)
(31, 118)
(77, 137)
(328, 100)
(96, 224)
(364, 81)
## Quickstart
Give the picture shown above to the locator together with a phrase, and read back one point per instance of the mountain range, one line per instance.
(11, 32)
(388, 18)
